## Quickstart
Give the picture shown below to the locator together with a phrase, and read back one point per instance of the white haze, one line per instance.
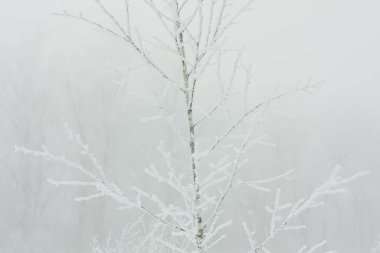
(55, 70)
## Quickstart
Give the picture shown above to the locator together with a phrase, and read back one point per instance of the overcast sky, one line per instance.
(335, 42)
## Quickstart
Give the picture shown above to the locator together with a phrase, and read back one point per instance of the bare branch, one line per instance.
(247, 114)
(125, 39)
(329, 187)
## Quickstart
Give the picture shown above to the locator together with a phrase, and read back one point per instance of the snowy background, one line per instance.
(54, 70)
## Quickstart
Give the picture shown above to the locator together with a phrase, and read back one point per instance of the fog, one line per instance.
(55, 70)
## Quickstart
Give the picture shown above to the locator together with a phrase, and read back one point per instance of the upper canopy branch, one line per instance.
(126, 38)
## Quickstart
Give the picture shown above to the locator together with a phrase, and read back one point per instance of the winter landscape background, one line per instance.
(55, 71)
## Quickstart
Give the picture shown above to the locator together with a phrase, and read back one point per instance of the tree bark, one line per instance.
(199, 236)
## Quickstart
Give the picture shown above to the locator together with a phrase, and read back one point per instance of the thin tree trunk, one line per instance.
(199, 236)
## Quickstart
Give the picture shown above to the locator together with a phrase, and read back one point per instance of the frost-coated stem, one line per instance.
(199, 236)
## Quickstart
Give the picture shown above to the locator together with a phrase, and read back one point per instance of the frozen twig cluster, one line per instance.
(196, 34)
(97, 180)
(283, 214)
(135, 238)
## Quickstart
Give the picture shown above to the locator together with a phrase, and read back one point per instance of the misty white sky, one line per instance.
(287, 41)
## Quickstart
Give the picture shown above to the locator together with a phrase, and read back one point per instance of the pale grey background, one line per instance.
(54, 70)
